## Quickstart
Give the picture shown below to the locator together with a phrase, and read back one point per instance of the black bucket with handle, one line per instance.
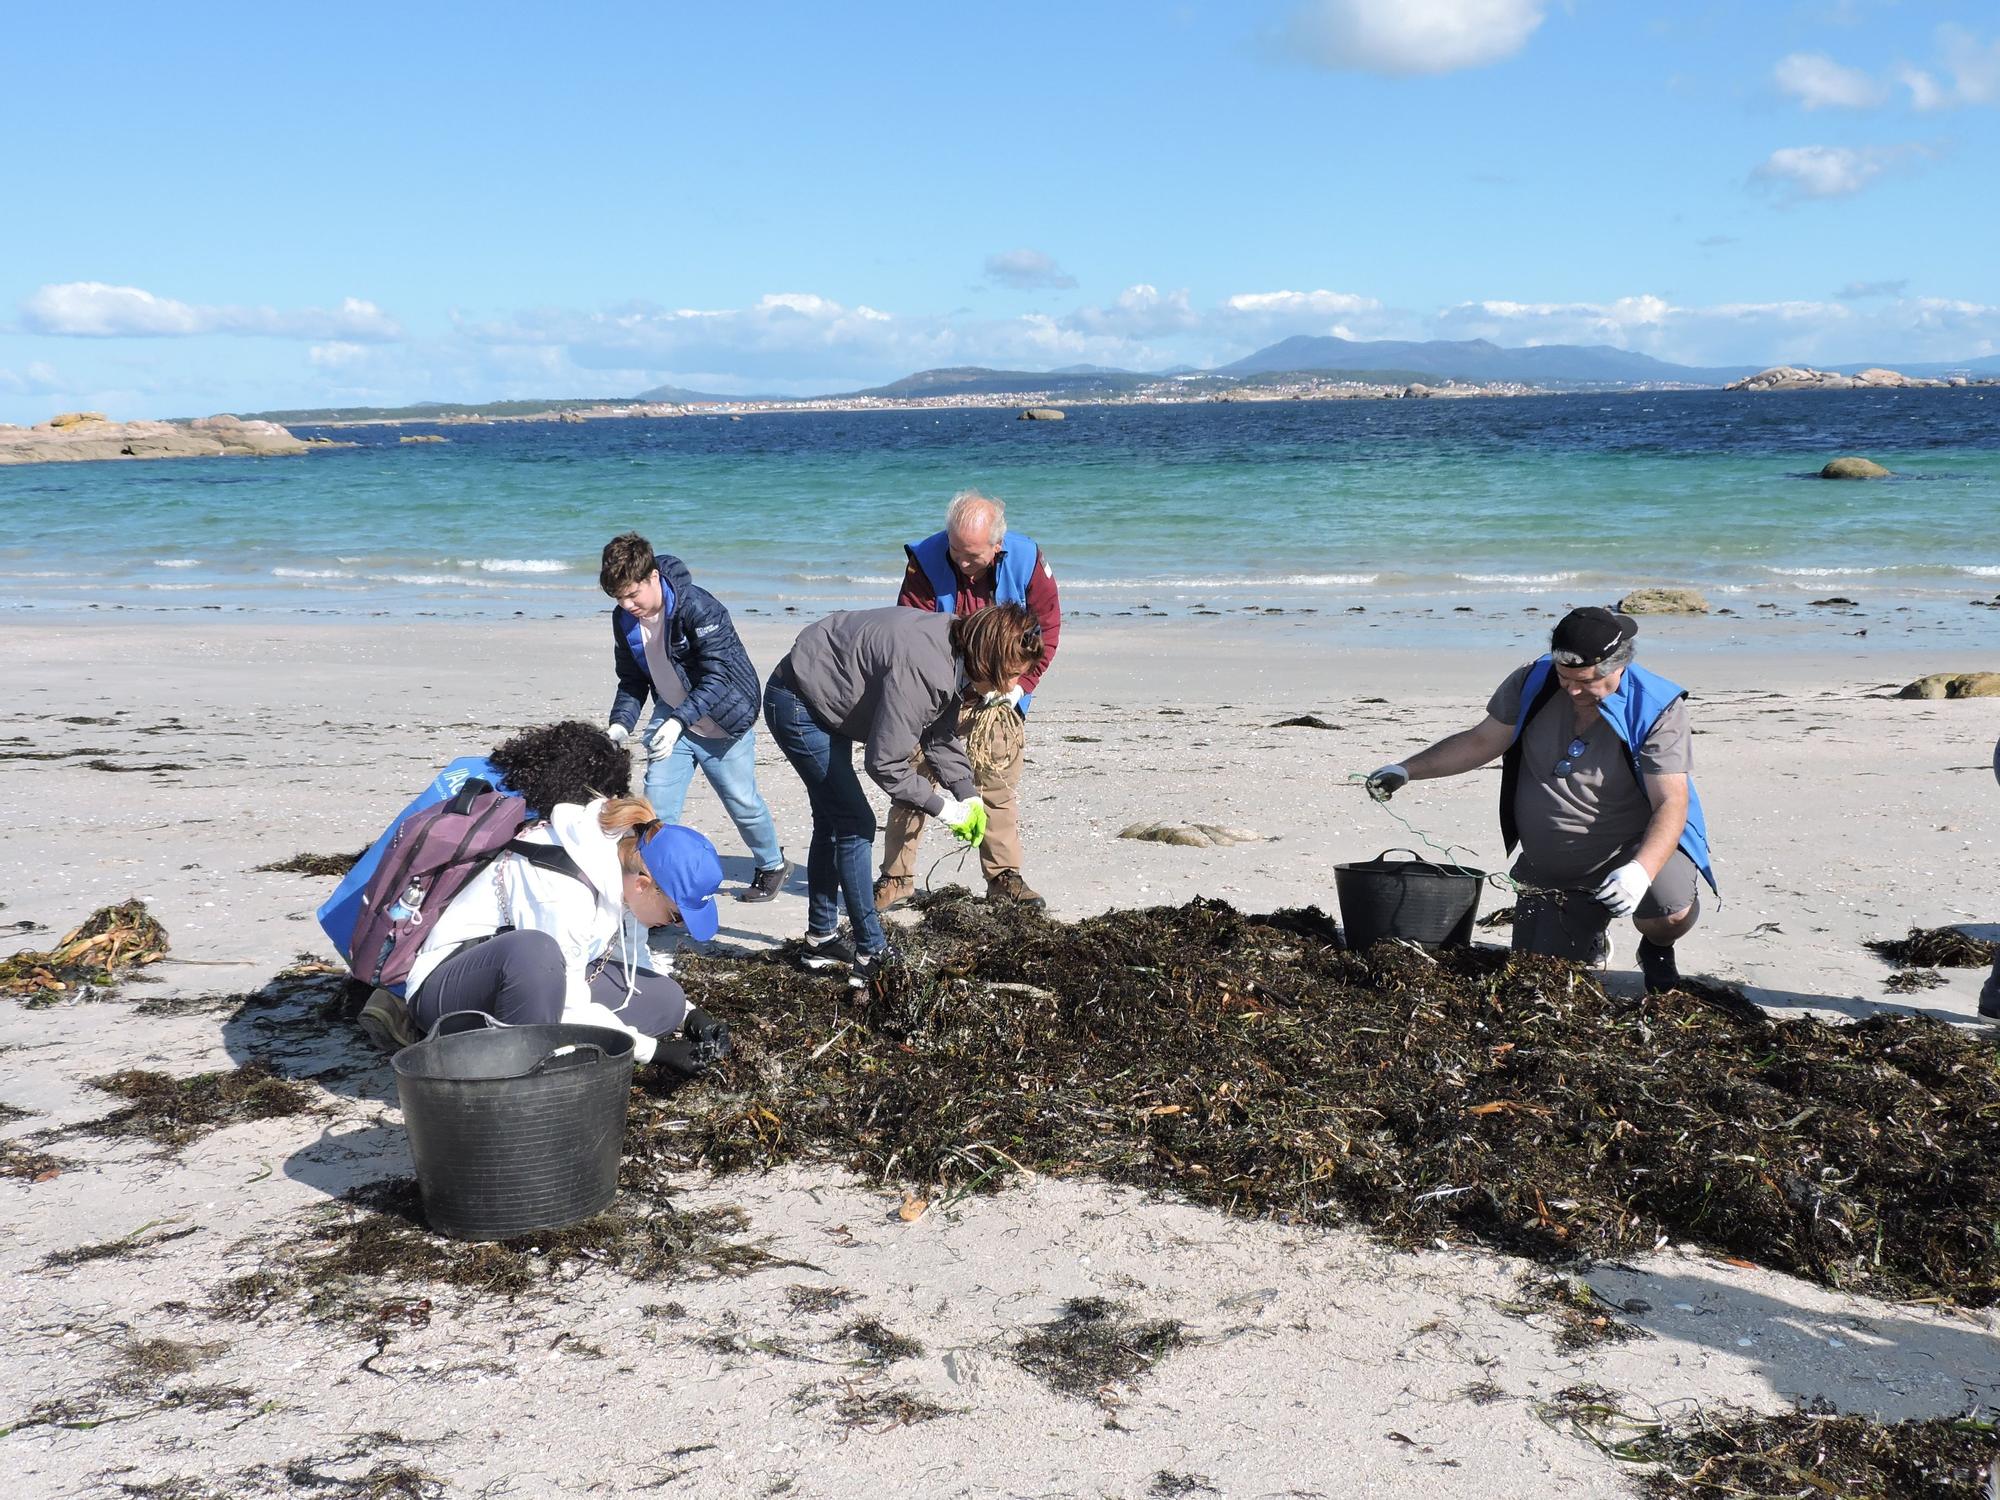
(514, 1128)
(1410, 898)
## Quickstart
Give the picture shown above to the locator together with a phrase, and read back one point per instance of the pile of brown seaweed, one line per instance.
(114, 941)
(1936, 948)
(1250, 1064)
(1726, 1452)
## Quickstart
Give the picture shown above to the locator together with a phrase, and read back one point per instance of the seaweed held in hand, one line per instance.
(1936, 948)
(113, 941)
(1474, 1095)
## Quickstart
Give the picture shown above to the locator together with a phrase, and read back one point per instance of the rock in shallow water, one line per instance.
(1663, 601)
(1853, 467)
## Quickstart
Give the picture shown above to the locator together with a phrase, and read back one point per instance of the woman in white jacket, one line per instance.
(526, 942)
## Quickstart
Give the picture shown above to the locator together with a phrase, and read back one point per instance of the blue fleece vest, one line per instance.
(1631, 712)
(1013, 571)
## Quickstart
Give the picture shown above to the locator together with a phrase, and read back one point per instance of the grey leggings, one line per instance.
(518, 978)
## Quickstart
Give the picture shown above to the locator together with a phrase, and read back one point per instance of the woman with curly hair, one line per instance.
(566, 762)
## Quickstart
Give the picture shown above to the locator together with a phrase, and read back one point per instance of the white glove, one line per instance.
(1625, 888)
(1012, 698)
(618, 734)
(660, 742)
(1385, 783)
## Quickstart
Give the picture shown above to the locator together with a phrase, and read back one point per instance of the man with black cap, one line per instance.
(1595, 787)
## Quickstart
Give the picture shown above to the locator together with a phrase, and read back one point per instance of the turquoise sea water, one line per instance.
(1397, 504)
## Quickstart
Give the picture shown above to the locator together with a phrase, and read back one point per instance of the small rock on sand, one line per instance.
(1954, 685)
(1190, 835)
(1663, 601)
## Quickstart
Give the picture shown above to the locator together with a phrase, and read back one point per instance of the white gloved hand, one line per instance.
(1385, 783)
(660, 740)
(618, 734)
(1624, 888)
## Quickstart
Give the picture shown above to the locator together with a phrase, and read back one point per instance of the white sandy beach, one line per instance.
(1324, 1364)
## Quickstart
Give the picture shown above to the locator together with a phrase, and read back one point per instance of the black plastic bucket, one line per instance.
(1409, 898)
(514, 1128)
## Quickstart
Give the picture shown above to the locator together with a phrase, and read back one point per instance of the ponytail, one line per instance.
(630, 820)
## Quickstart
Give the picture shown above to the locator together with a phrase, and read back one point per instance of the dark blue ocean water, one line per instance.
(1318, 504)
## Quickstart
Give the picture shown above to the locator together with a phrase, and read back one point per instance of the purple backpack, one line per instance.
(434, 855)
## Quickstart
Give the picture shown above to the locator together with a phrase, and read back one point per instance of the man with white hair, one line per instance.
(970, 564)
(1595, 787)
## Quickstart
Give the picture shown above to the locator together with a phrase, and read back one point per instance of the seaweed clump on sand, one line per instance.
(334, 865)
(173, 1111)
(343, 1265)
(1727, 1452)
(1094, 1345)
(1936, 948)
(1469, 1095)
(113, 941)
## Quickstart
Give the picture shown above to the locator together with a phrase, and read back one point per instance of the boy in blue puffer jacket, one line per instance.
(672, 638)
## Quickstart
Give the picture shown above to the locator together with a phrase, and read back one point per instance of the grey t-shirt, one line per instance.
(1576, 828)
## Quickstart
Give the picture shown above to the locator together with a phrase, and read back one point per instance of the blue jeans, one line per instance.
(843, 836)
(731, 768)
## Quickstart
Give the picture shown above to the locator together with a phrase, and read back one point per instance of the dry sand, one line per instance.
(1323, 1364)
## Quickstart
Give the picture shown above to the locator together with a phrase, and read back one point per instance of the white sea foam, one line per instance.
(176, 562)
(867, 578)
(1285, 580)
(1515, 577)
(1820, 572)
(433, 580)
(518, 565)
(1980, 570)
(310, 573)
(177, 588)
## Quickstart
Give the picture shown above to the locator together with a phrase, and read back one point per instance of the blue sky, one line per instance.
(290, 205)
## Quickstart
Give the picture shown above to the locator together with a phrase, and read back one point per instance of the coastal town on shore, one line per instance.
(89, 436)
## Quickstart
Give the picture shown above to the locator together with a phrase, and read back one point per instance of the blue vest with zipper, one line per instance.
(1631, 712)
(1013, 571)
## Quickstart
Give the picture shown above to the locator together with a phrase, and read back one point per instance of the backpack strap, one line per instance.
(549, 857)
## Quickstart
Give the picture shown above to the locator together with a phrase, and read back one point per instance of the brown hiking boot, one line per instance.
(893, 890)
(1009, 886)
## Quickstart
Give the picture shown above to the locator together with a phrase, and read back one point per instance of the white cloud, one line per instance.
(1818, 82)
(1320, 304)
(95, 309)
(1404, 37)
(1027, 270)
(1800, 172)
(1974, 67)
(35, 379)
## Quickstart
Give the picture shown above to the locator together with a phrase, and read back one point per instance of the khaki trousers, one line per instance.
(999, 850)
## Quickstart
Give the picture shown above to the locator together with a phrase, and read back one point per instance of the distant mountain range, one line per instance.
(1372, 361)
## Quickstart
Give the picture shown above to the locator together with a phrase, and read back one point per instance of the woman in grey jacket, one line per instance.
(893, 680)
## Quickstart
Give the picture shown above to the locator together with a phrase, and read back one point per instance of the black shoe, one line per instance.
(1657, 964)
(825, 953)
(766, 884)
(868, 968)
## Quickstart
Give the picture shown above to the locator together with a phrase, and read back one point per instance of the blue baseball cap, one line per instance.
(682, 863)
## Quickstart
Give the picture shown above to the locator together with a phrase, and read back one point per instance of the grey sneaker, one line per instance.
(387, 1021)
(765, 884)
